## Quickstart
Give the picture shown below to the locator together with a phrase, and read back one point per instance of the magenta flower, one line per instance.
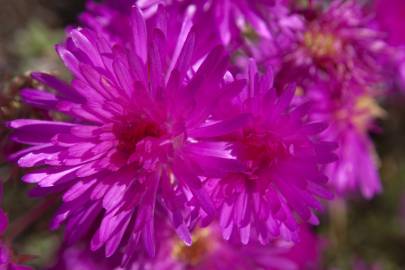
(283, 162)
(211, 251)
(208, 251)
(340, 57)
(340, 42)
(357, 168)
(126, 150)
(351, 116)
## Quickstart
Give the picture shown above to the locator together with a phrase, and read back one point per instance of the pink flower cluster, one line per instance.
(204, 134)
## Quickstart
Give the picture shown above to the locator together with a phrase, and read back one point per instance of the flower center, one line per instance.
(259, 149)
(363, 112)
(131, 133)
(321, 44)
(194, 254)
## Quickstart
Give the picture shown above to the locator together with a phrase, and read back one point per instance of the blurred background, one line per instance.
(358, 234)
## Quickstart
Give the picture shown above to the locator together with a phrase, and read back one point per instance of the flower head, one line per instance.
(351, 116)
(127, 150)
(208, 251)
(211, 251)
(340, 42)
(338, 62)
(282, 160)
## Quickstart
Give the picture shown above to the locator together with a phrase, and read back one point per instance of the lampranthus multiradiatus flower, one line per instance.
(341, 59)
(283, 162)
(351, 115)
(128, 150)
(208, 251)
(339, 41)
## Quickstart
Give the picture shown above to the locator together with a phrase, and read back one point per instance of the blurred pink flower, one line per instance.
(208, 251)
(351, 116)
(340, 42)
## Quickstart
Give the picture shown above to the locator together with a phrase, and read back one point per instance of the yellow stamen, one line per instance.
(367, 109)
(193, 255)
(299, 91)
(321, 44)
(364, 111)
